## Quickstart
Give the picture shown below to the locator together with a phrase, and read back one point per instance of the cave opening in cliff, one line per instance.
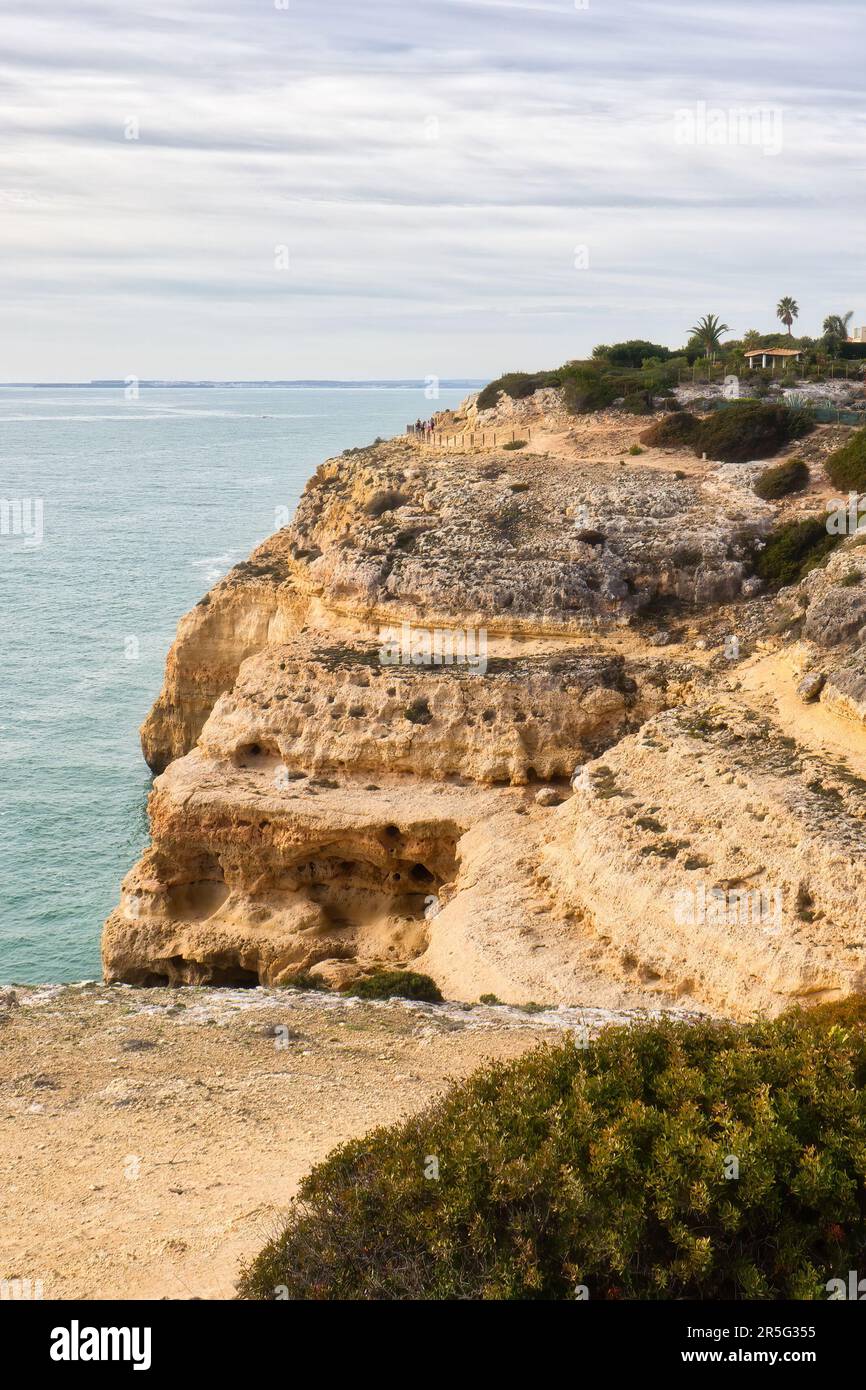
(231, 976)
(181, 971)
(373, 892)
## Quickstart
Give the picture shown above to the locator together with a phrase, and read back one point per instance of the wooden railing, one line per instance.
(468, 439)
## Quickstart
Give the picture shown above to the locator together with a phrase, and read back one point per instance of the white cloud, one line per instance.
(430, 168)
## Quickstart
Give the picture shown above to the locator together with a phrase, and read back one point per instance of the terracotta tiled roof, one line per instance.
(772, 352)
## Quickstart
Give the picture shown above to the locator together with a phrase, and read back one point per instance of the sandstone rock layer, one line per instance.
(523, 721)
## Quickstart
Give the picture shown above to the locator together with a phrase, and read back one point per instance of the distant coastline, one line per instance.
(408, 384)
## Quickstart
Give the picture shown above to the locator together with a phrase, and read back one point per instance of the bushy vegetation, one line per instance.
(304, 980)
(629, 368)
(639, 403)
(791, 551)
(676, 428)
(588, 390)
(846, 467)
(748, 430)
(631, 354)
(595, 384)
(782, 479)
(397, 984)
(666, 1160)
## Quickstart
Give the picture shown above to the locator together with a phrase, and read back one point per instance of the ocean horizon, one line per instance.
(230, 384)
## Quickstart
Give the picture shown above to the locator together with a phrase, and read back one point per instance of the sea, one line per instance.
(120, 506)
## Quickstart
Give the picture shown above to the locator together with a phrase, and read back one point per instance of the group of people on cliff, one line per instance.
(421, 427)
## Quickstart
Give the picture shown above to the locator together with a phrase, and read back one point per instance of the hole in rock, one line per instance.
(224, 971)
(194, 902)
(248, 752)
(360, 897)
(234, 975)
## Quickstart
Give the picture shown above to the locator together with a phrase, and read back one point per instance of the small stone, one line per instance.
(810, 686)
(548, 796)
(752, 586)
(661, 638)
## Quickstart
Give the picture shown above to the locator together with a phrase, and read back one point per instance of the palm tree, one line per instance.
(836, 325)
(787, 310)
(752, 338)
(708, 332)
(836, 332)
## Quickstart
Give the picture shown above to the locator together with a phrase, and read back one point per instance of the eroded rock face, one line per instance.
(530, 546)
(723, 857)
(237, 618)
(320, 705)
(252, 877)
(492, 716)
(832, 600)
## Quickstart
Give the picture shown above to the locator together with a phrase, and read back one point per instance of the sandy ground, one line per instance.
(769, 685)
(150, 1139)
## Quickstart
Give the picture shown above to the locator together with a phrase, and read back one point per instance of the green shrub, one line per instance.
(782, 479)
(397, 984)
(638, 403)
(634, 450)
(679, 427)
(749, 430)
(608, 1167)
(846, 467)
(589, 390)
(793, 550)
(635, 352)
(304, 980)
(515, 444)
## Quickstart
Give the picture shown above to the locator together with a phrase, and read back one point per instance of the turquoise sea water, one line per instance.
(145, 504)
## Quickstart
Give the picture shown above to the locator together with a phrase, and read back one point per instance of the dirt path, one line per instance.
(150, 1138)
(769, 684)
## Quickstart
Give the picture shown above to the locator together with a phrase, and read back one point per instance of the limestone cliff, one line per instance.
(479, 712)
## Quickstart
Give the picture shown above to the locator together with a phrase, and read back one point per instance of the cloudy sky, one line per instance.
(357, 188)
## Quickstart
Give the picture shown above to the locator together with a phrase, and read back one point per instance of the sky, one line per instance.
(411, 188)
